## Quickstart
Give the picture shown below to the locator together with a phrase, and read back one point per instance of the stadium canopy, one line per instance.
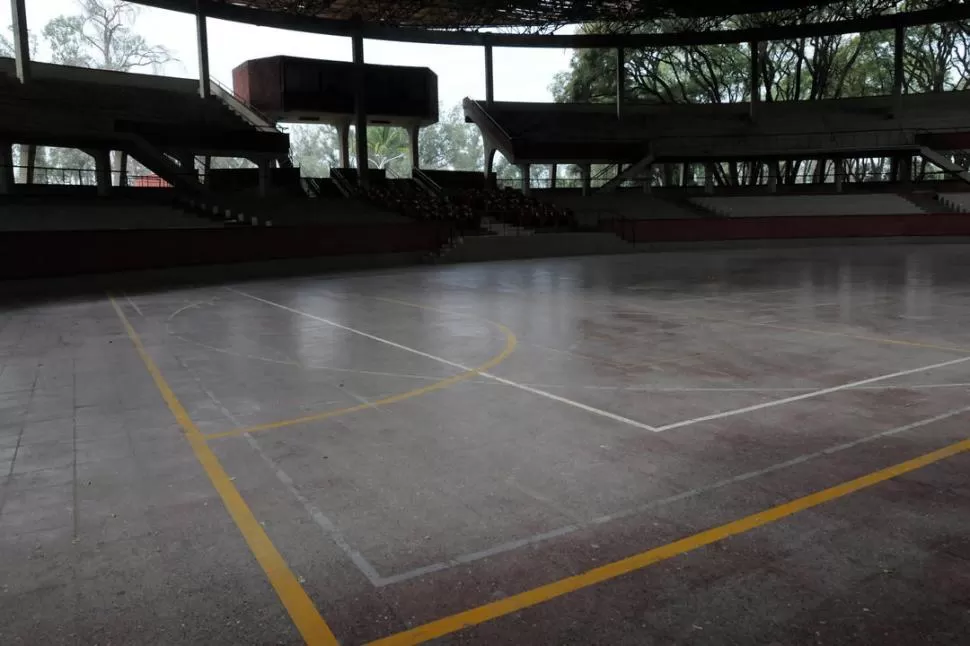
(470, 14)
(529, 23)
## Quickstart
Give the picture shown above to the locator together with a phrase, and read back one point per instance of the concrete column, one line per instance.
(585, 174)
(709, 178)
(28, 160)
(647, 177)
(526, 179)
(905, 168)
(206, 168)
(620, 81)
(343, 130)
(839, 172)
(553, 175)
(414, 136)
(6, 168)
(202, 33)
(21, 42)
(489, 162)
(360, 109)
(668, 171)
(753, 71)
(772, 176)
(899, 50)
(265, 177)
(489, 76)
(123, 168)
(102, 171)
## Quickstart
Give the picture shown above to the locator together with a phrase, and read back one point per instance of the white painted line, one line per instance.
(691, 493)
(464, 368)
(318, 517)
(133, 304)
(809, 395)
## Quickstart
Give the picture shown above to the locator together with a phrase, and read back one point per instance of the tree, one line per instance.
(936, 58)
(452, 144)
(102, 36)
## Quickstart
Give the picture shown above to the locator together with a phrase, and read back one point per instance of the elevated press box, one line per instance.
(292, 89)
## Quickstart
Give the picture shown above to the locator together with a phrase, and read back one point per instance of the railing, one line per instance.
(257, 118)
(52, 176)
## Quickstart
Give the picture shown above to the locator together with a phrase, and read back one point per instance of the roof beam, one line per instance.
(346, 28)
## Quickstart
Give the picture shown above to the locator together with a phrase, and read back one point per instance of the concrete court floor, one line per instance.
(626, 402)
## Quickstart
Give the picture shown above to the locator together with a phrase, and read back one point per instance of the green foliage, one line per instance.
(936, 58)
(103, 36)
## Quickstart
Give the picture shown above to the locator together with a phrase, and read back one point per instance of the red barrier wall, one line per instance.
(772, 228)
(60, 253)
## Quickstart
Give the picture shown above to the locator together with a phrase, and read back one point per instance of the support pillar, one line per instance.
(414, 135)
(525, 169)
(647, 177)
(360, 109)
(899, 81)
(905, 168)
(553, 175)
(489, 77)
(489, 162)
(585, 174)
(709, 178)
(754, 87)
(839, 172)
(620, 81)
(206, 168)
(123, 168)
(6, 168)
(21, 42)
(773, 176)
(28, 160)
(265, 177)
(668, 174)
(102, 171)
(202, 33)
(343, 131)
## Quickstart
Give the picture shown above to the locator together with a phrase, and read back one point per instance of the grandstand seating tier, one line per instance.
(808, 205)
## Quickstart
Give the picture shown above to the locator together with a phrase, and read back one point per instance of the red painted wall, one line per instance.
(776, 228)
(60, 253)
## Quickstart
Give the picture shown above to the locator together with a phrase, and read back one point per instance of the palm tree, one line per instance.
(387, 148)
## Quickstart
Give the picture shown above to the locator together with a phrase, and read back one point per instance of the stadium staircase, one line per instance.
(156, 120)
(249, 114)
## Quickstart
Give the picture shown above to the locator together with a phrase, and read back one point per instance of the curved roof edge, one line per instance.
(334, 27)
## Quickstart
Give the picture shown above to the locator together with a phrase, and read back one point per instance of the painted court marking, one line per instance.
(315, 631)
(529, 598)
(307, 620)
(510, 344)
(814, 393)
(483, 373)
(535, 539)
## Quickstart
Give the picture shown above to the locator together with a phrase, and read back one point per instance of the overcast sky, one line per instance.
(520, 74)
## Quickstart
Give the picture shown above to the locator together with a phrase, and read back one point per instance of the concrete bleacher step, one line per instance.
(929, 202)
(956, 202)
(544, 245)
(500, 228)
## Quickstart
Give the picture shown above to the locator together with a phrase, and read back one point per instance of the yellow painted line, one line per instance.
(523, 600)
(301, 610)
(510, 344)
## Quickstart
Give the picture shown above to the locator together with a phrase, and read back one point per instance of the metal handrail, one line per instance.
(269, 123)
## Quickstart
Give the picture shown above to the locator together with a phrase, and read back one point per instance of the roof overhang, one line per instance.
(310, 16)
